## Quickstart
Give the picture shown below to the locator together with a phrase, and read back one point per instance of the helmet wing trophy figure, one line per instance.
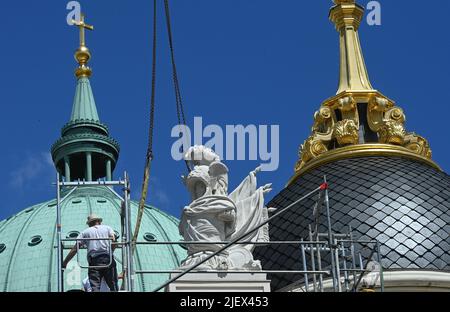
(215, 216)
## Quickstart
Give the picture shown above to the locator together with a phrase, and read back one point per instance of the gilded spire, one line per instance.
(347, 16)
(358, 121)
(83, 55)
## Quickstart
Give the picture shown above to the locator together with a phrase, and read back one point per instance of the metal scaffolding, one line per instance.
(335, 246)
(330, 261)
(125, 243)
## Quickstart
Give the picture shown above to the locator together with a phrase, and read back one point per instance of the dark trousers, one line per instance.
(108, 273)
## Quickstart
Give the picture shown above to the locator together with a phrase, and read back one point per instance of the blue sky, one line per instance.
(240, 62)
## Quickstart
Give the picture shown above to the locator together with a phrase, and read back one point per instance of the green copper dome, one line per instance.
(85, 151)
(28, 258)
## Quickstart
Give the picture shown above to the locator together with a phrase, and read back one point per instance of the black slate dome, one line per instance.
(404, 204)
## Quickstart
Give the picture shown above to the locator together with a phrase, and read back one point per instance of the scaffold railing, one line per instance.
(329, 261)
(127, 257)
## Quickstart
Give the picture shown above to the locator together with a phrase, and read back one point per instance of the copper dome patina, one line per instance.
(85, 151)
(28, 261)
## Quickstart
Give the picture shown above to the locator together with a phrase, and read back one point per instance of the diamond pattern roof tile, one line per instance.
(402, 203)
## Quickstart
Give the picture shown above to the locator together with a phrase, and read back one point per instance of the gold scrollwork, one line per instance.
(347, 104)
(386, 119)
(346, 132)
(310, 149)
(325, 113)
(392, 132)
(379, 104)
(348, 107)
(418, 145)
(323, 123)
(396, 114)
(376, 112)
(337, 126)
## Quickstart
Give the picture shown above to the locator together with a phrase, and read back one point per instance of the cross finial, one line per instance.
(82, 25)
(82, 55)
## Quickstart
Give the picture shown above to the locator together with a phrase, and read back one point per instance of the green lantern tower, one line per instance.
(85, 150)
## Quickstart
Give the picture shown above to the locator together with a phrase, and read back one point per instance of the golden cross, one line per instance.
(82, 25)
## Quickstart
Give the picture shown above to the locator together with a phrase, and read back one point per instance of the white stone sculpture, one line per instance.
(216, 216)
(372, 276)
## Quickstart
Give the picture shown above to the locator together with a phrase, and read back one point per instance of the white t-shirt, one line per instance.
(97, 247)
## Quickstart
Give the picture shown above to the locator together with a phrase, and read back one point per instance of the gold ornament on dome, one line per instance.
(346, 132)
(392, 132)
(323, 123)
(309, 150)
(418, 145)
(386, 120)
(339, 130)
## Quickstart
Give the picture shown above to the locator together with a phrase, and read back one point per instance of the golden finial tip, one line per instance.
(343, 1)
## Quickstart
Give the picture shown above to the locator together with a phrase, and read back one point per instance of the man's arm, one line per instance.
(69, 257)
(113, 238)
(113, 242)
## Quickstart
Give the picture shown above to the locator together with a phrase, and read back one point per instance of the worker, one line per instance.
(88, 288)
(99, 253)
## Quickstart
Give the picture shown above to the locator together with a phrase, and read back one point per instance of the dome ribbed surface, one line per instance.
(402, 203)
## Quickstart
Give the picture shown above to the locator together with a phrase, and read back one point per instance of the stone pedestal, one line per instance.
(220, 282)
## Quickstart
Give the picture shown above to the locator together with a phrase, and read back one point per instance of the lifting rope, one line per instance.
(176, 83)
(149, 154)
(179, 106)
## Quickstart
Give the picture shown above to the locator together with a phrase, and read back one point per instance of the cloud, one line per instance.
(161, 197)
(158, 196)
(48, 158)
(33, 167)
